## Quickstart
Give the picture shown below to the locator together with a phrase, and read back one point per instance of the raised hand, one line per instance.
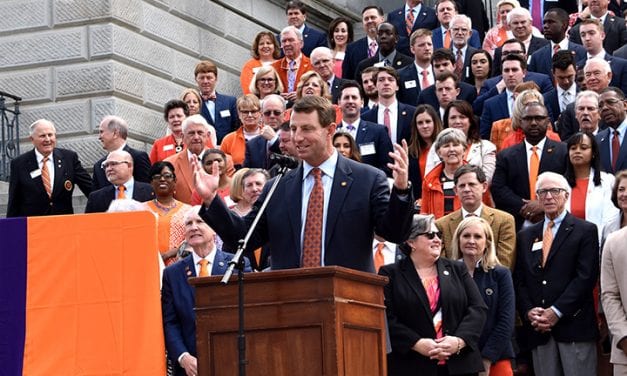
(399, 166)
(206, 184)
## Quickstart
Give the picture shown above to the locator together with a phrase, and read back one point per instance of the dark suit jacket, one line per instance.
(312, 38)
(552, 104)
(409, 85)
(615, 34)
(510, 183)
(619, 70)
(335, 88)
(474, 41)
(376, 134)
(141, 166)
(27, 195)
(467, 92)
(403, 120)
(410, 318)
(360, 204)
(224, 124)
(426, 19)
(534, 45)
(497, 290)
(177, 302)
(257, 153)
(566, 281)
(621, 52)
(400, 61)
(99, 201)
(541, 62)
(568, 5)
(355, 53)
(604, 138)
(476, 10)
(494, 109)
(466, 70)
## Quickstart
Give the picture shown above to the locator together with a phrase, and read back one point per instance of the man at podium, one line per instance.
(324, 212)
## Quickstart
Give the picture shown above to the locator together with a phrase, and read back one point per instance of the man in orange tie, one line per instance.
(557, 267)
(177, 296)
(118, 168)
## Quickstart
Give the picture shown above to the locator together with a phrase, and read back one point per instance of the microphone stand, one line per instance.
(238, 262)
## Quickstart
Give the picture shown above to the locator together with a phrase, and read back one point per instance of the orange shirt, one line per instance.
(247, 73)
(578, 198)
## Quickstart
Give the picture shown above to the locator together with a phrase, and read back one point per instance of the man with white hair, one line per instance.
(587, 111)
(195, 133)
(460, 30)
(442, 36)
(556, 270)
(294, 63)
(112, 132)
(42, 180)
(323, 62)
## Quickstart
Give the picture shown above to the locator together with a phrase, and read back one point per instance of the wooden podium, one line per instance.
(316, 321)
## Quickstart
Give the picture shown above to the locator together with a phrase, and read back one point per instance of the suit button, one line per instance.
(544, 282)
(542, 301)
(50, 203)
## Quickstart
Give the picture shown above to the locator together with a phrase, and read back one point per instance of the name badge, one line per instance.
(448, 185)
(168, 147)
(367, 149)
(225, 113)
(35, 173)
(536, 246)
(410, 84)
(379, 64)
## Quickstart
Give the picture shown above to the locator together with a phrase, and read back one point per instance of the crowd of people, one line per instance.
(482, 170)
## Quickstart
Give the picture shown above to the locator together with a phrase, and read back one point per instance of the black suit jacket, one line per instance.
(426, 19)
(335, 88)
(467, 92)
(552, 104)
(355, 53)
(410, 318)
(99, 201)
(566, 281)
(256, 155)
(568, 5)
(534, 45)
(615, 34)
(141, 166)
(27, 195)
(466, 70)
(621, 52)
(403, 120)
(360, 205)
(510, 183)
(400, 61)
(372, 134)
(604, 139)
(409, 85)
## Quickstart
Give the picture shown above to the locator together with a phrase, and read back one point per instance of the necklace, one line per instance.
(164, 208)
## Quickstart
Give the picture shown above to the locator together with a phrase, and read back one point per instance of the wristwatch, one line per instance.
(403, 191)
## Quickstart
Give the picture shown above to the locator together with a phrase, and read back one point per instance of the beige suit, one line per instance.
(503, 227)
(184, 178)
(613, 286)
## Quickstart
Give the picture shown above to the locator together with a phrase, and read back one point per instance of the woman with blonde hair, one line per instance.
(265, 82)
(473, 243)
(234, 143)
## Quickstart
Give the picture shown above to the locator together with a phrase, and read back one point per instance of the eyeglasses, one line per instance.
(459, 30)
(266, 80)
(432, 234)
(165, 176)
(537, 119)
(107, 164)
(248, 112)
(553, 191)
(272, 112)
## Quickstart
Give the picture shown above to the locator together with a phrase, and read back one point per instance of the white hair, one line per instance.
(587, 94)
(294, 30)
(463, 18)
(597, 60)
(518, 12)
(273, 97)
(195, 119)
(36, 123)
(559, 179)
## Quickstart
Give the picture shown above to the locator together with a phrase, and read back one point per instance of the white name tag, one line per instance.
(35, 173)
(367, 149)
(379, 64)
(225, 113)
(448, 185)
(168, 147)
(410, 84)
(536, 246)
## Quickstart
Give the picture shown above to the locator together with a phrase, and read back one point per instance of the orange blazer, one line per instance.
(281, 67)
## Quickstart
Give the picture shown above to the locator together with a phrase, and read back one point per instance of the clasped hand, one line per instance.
(440, 348)
(542, 320)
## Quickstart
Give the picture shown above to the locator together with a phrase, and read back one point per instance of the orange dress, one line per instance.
(170, 226)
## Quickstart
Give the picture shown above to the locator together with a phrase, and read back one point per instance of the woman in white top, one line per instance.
(619, 199)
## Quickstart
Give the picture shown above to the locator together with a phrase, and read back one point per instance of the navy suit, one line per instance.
(425, 19)
(27, 195)
(569, 6)
(474, 41)
(355, 53)
(495, 108)
(552, 104)
(615, 34)
(566, 281)
(335, 88)
(467, 92)
(312, 38)
(619, 70)
(621, 52)
(400, 61)
(377, 136)
(177, 303)
(141, 166)
(488, 90)
(541, 60)
(409, 84)
(224, 123)
(403, 120)
(256, 155)
(99, 201)
(534, 45)
(604, 138)
(360, 204)
(466, 69)
(510, 184)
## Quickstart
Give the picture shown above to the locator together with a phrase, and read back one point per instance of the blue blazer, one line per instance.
(256, 155)
(604, 138)
(552, 104)
(224, 123)
(312, 38)
(467, 92)
(474, 41)
(177, 304)
(372, 133)
(99, 201)
(615, 34)
(426, 19)
(619, 70)
(407, 75)
(497, 290)
(355, 53)
(403, 120)
(534, 45)
(27, 195)
(400, 61)
(360, 204)
(494, 109)
(141, 167)
(541, 62)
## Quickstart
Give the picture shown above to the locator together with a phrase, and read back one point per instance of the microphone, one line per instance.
(284, 160)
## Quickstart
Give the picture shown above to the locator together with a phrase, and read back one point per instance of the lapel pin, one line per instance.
(189, 273)
(446, 272)
(404, 113)
(221, 263)
(67, 185)
(343, 184)
(549, 150)
(398, 63)
(306, 35)
(489, 291)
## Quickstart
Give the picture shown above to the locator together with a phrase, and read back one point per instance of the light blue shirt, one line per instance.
(211, 107)
(328, 170)
(129, 186)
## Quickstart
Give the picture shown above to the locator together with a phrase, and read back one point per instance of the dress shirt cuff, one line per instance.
(557, 311)
(181, 356)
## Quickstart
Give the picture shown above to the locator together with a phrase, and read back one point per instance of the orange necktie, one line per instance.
(204, 271)
(547, 241)
(447, 39)
(312, 239)
(45, 177)
(534, 167)
(409, 21)
(121, 192)
(379, 260)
